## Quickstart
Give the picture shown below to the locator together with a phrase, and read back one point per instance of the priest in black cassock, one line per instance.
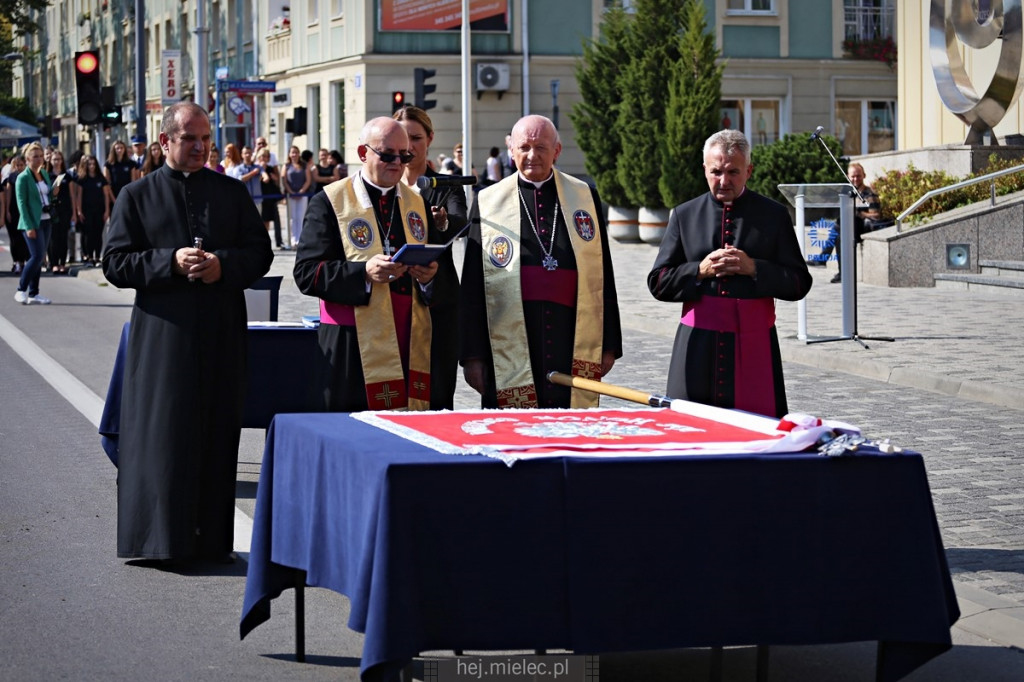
(726, 256)
(537, 282)
(185, 368)
(375, 313)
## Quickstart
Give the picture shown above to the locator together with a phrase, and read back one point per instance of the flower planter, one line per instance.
(653, 222)
(622, 224)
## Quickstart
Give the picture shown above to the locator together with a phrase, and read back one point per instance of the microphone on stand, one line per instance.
(816, 135)
(429, 182)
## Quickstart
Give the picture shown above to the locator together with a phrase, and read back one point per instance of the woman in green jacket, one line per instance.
(32, 190)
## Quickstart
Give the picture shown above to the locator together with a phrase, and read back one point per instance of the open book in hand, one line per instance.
(424, 254)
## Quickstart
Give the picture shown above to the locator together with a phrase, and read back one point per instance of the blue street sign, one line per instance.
(246, 86)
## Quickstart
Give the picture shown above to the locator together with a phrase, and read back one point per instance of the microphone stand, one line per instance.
(849, 283)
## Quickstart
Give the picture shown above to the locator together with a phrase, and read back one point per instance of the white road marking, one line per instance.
(90, 405)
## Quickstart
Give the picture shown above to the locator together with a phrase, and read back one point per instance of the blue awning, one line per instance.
(15, 132)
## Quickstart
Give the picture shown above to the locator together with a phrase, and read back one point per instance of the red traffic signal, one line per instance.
(87, 62)
(87, 87)
(397, 100)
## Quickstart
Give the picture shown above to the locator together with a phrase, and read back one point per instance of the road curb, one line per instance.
(978, 391)
(987, 615)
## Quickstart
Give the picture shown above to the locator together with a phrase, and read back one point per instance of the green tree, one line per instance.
(791, 160)
(653, 46)
(691, 116)
(17, 18)
(594, 117)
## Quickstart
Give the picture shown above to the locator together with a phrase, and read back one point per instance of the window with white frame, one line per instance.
(337, 126)
(312, 11)
(750, 7)
(336, 8)
(759, 119)
(865, 126)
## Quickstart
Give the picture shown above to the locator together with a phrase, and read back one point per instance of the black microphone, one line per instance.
(816, 135)
(431, 181)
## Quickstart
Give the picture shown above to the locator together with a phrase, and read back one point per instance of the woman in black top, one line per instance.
(119, 169)
(94, 208)
(270, 186)
(154, 159)
(19, 249)
(340, 169)
(61, 207)
(448, 208)
(325, 172)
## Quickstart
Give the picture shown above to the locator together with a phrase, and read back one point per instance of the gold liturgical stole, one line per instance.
(500, 233)
(386, 388)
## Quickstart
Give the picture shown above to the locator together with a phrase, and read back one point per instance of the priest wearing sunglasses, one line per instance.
(375, 330)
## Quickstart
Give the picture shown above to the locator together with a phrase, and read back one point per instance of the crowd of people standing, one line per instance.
(294, 181)
(80, 191)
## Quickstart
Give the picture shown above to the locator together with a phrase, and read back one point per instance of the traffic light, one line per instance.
(397, 100)
(87, 86)
(423, 88)
(111, 113)
(299, 126)
(112, 117)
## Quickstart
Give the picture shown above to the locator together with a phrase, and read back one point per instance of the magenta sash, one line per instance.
(401, 305)
(553, 286)
(750, 320)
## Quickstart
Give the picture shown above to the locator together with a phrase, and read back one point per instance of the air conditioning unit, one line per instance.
(492, 76)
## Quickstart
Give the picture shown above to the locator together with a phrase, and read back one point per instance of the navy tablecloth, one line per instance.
(281, 362)
(461, 552)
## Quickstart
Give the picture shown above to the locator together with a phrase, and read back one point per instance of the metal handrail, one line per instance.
(990, 177)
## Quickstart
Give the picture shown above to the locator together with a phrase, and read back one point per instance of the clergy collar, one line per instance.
(177, 173)
(538, 185)
(730, 203)
(383, 190)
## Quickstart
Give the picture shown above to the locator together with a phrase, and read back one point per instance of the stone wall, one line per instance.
(912, 257)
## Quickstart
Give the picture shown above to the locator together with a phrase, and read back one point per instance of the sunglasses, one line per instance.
(387, 157)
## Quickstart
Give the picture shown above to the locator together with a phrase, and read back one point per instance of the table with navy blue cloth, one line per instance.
(281, 364)
(440, 552)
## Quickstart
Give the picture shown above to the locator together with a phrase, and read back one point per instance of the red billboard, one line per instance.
(442, 15)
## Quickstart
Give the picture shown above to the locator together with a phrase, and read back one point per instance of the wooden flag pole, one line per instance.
(630, 394)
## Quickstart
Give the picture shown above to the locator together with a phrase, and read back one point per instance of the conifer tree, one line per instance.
(691, 115)
(653, 47)
(594, 117)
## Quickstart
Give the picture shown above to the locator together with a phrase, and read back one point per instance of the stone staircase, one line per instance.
(996, 277)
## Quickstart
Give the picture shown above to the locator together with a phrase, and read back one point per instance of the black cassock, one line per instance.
(184, 383)
(322, 270)
(550, 325)
(702, 369)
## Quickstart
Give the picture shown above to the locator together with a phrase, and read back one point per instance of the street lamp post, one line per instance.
(554, 102)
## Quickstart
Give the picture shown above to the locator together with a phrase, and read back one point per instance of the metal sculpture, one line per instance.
(977, 24)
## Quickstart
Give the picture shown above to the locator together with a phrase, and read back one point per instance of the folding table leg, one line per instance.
(762, 663)
(300, 616)
(716, 664)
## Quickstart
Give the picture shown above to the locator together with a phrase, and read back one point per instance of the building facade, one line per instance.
(789, 66)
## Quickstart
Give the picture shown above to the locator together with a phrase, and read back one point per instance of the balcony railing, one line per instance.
(870, 23)
(279, 51)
